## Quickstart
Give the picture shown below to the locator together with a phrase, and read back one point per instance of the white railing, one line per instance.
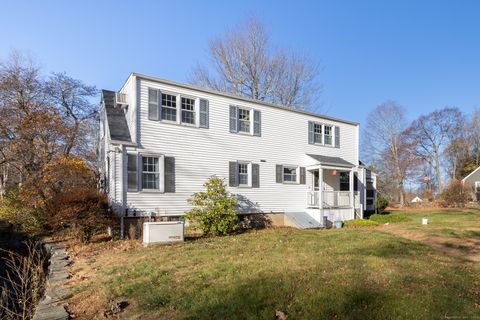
(336, 199)
(312, 199)
(332, 199)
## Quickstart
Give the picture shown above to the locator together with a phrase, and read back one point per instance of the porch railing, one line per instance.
(312, 199)
(336, 199)
(331, 199)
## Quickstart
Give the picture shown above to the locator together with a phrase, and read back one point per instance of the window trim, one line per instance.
(250, 120)
(331, 135)
(160, 173)
(195, 111)
(140, 188)
(249, 174)
(178, 109)
(297, 174)
(167, 107)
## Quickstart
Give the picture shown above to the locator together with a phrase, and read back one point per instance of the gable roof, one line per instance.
(240, 98)
(335, 161)
(117, 124)
(470, 174)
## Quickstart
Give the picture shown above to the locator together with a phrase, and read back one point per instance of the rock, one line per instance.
(280, 315)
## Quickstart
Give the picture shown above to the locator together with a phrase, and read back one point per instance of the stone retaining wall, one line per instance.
(51, 308)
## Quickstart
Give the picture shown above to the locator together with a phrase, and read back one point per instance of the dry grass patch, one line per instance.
(314, 274)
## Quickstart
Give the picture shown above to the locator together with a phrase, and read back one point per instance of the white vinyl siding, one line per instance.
(199, 154)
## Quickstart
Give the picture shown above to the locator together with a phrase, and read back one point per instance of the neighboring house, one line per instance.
(473, 180)
(160, 141)
(417, 200)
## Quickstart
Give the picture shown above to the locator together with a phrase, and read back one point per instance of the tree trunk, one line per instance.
(437, 171)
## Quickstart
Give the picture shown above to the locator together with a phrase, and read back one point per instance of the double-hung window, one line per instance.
(290, 174)
(169, 107)
(328, 135)
(243, 120)
(188, 110)
(477, 186)
(243, 174)
(317, 133)
(150, 173)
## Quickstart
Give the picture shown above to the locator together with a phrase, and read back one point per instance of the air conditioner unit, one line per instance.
(162, 232)
(121, 99)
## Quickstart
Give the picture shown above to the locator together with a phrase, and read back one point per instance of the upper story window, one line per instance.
(317, 133)
(477, 186)
(244, 120)
(289, 174)
(327, 135)
(174, 108)
(169, 107)
(188, 110)
(150, 173)
(243, 174)
(323, 134)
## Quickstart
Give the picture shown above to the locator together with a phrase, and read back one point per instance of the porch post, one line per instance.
(320, 187)
(350, 184)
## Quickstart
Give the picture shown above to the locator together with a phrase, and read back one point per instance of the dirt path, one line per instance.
(465, 248)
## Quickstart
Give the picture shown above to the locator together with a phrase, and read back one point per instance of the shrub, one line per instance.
(382, 204)
(384, 218)
(84, 211)
(456, 194)
(360, 223)
(216, 210)
(23, 218)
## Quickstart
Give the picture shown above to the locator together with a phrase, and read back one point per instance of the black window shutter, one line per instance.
(233, 119)
(337, 137)
(255, 175)
(279, 173)
(303, 178)
(159, 105)
(132, 180)
(232, 174)
(203, 113)
(311, 137)
(153, 104)
(257, 123)
(140, 172)
(169, 176)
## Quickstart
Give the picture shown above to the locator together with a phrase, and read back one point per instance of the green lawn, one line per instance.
(314, 274)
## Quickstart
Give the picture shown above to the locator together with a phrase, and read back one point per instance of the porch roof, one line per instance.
(331, 161)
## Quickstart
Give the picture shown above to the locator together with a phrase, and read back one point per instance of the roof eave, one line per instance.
(229, 95)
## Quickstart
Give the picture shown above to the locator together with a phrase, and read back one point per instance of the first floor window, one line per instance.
(169, 107)
(150, 173)
(289, 174)
(244, 120)
(243, 174)
(317, 133)
(328, 134)
(188, 110)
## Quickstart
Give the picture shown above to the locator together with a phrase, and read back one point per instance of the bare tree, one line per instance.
(73, 100)
(244, 63)
(386, 145)
(431, 134)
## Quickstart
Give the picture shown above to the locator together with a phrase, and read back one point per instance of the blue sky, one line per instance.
(422, 54)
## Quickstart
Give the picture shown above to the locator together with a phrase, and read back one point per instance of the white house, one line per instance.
(473, 180)
(160, 141)
(417, 199)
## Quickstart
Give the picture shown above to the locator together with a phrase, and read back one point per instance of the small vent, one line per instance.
(121, 99)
